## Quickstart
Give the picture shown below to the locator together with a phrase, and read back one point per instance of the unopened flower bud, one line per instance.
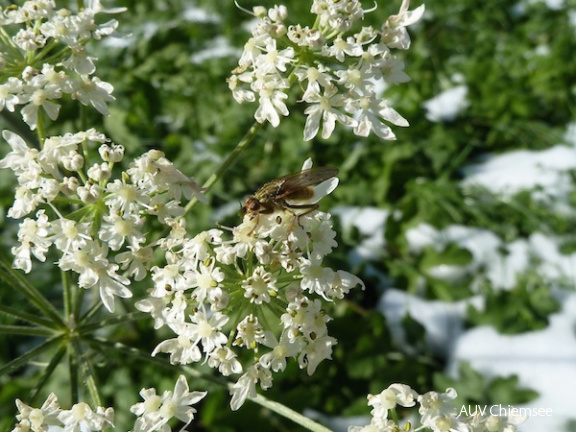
(73, 161)
(69, 185)
(50, 189)
(98, 172)
(114, 153)
(28, 73)
(88, 193)
(155, 155)
(277, 30)
(259, 11)
(278, 13)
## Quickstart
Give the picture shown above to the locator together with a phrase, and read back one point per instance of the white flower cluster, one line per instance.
(107, 216)
(247, 305)
(337, 72)
(437, 413)
(156, 411)
(46, 58)
(50, 417)
(153, 414)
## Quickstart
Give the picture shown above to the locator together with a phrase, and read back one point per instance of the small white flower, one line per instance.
(316, 278)
(199, 247)
(169, 278)
(435, 405)
(305, 317)
(341, 48)
(317, 78)
(449, 424)
(125, 197)
(273, 60)
(38, 419)
(183, 349)
(91, 263)
(38, 94)
(400, 394)
(315, 351)
(225, 360)
(325, 108)
(79, 61)
(281, 350)
(136, 262)
(30, 11)
(33, 238)
(61, 151)
(117, 229)
(9, 92)
(239, 94)
(81, 418)
(155, 307)
(156, 411)
(207, 330)
(271, 104)
(94, 92)
(29, 40)
(249, 332)
(260, 286)
(72, 161)
(394, 32)
(206, 279)
(245, 387)
(23, 160)
(152, 172)
(342, 283)
(369, 115)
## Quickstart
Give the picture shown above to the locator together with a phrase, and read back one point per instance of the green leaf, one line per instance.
(526, 307)
(452, 255)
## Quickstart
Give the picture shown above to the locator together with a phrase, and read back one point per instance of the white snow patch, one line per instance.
(447, 105)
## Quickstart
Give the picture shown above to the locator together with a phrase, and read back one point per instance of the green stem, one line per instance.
(87, 374)
(227, 162)
(129, 317)
(40, 129)
(25, 330)
(137, 354)
(36, 319)
(15, 280)
(91, 313)
(45, 51)
(78, 295)
(73, 372)
(47, 373)
(18, 362)
(290, 414)
(66, 293)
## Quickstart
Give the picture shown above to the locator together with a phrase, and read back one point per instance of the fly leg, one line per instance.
(308, 207)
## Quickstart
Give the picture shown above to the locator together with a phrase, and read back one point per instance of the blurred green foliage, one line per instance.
(169, 74)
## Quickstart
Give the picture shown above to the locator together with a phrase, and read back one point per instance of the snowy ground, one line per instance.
(543, 360)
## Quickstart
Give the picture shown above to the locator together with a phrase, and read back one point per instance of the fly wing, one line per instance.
(303, 179)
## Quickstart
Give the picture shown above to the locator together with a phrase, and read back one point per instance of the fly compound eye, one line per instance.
(252, 204)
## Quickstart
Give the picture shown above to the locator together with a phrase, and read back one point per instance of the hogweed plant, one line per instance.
(333, 66)
(244, 300)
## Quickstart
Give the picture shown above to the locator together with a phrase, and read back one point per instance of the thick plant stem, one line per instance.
(290, 414)
(227, 162)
